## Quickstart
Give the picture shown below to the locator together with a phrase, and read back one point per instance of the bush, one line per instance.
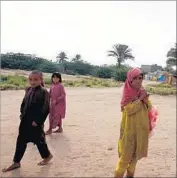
(104, 72)
(12, 82)
(27, 62)
(47, 81)
(48, 67)
(30, 62)
(14, 79)
(120, 74)
(80, 67)
(161, 89)
(161, 85)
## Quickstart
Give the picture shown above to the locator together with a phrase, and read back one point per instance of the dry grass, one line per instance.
(17, 82)
(161, 89)
(17, 79)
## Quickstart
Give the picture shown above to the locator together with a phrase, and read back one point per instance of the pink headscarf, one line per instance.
(129, 93)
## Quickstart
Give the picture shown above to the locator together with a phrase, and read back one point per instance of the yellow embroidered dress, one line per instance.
(134, 135)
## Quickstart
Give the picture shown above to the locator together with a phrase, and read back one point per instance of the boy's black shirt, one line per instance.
(35, 106)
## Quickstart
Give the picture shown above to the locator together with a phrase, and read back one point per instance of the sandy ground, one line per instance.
(88, 145)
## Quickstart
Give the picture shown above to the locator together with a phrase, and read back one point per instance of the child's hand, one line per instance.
(143, 96)
(34, 124)
(145, 100)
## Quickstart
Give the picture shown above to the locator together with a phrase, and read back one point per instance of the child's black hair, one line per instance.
(58, 75)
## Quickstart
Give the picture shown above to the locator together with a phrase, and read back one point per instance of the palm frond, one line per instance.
(112, 53)
(61, 57)
(121, 52)
(129, 56)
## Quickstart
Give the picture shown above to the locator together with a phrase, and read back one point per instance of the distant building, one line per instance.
(155, 68)
(146, 68)
(151, 68)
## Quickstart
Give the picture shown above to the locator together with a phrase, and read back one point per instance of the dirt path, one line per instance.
(91, 128)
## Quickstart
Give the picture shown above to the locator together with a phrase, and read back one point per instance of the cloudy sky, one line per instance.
(89, 28)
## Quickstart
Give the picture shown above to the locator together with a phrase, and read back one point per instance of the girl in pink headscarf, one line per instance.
(138, 121)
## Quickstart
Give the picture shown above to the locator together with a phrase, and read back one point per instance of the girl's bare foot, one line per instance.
(59, 130)
(116, 175)
(48, 132)
(129, 175)
(45, 160)
(12, 167)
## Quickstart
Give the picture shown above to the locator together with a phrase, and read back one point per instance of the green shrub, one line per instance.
(68, 83)
(104, 72)
(161, 89)
(31, 62)
(6, 86)
(48, 67)
(14, 79)
(120, 74)
(161, 85)
(4, 78)
(47, 81)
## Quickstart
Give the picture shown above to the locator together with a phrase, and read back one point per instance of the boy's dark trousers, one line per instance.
(35, 135)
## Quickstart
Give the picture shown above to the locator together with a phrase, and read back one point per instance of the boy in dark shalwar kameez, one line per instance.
(34, 111)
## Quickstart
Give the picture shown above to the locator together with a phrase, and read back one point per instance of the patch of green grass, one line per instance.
(161, 89)
(16, 82)
(161, 85)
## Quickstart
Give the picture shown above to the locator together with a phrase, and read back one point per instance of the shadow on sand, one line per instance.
(60, 148)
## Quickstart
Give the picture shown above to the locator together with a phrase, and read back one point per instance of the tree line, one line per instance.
(171, 58)
(76, 65)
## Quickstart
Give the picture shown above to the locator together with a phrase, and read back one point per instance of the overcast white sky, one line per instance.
(89, 28)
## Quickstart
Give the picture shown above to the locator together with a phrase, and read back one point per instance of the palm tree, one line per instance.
(171, 55)
(76, 58)
(121, 53)
(61, 57)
